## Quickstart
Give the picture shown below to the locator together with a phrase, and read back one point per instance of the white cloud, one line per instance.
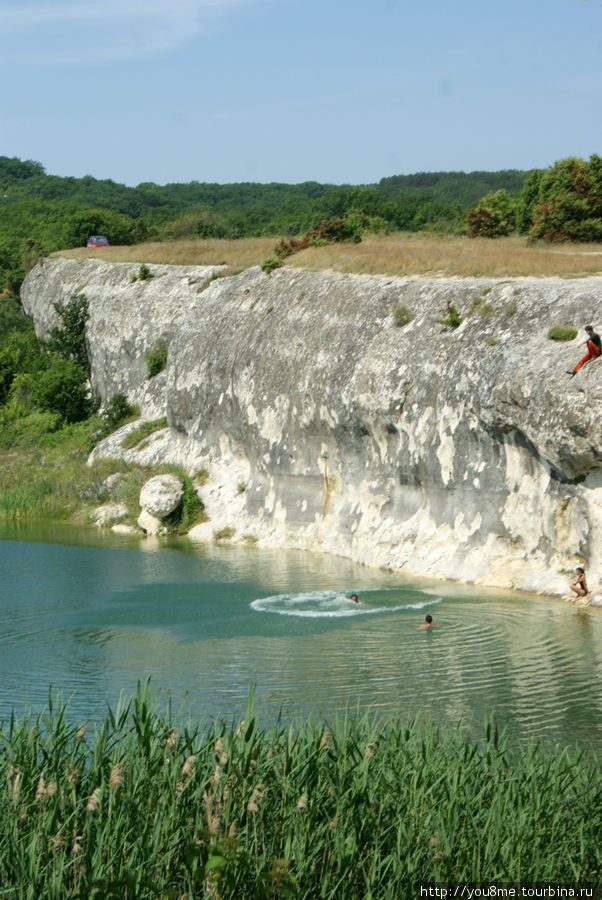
(102, 31)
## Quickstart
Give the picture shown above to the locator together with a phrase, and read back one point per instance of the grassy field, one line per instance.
(399, 254)
(152, 807)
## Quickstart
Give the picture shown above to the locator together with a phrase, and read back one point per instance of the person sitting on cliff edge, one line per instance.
(579, 585)
(594, 348)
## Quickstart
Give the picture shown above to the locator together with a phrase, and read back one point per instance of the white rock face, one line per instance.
(109, 514)
(467, 454)
(161, 495)
(149, 524)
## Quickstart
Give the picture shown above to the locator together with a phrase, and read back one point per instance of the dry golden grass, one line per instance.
(422, 254)
(237, 254)
(398, 254)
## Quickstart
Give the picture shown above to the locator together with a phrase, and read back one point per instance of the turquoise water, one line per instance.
(91, 614)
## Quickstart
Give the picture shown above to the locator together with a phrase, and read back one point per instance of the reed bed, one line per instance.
(148, 805)
(396, 254)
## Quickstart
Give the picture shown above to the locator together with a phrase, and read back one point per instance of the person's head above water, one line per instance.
(429, 619)
(354, 599)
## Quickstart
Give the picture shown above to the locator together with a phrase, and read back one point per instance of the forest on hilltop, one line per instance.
(41, 213)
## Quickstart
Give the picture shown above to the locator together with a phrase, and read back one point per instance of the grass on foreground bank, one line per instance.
(43, 473)
(396, 254)
(148, 807)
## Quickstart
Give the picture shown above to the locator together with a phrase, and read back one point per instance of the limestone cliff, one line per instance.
(463, 453)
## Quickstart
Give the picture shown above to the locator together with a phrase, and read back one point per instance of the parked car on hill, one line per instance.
(98, 240)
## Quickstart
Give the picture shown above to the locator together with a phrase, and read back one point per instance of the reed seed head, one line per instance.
(72, 773)
(302, 803)
(81, 733)
(78, 844)
(93, 804)
(188, 766)
(116, 777)
(370, 750)
(256, 798)
(326, 742)
(218, 746)
(41, 789)
(14, 780)
(51, 789)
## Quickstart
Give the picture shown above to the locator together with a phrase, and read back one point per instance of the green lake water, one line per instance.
(91, 614)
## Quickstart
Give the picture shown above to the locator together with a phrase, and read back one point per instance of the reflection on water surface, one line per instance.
(92, 614)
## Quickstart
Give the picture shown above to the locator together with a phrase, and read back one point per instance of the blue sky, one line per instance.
(285, 90)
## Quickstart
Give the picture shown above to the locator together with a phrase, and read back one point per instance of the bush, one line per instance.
(402, 316)
(144, 273)
(117, 411)
(270, 264)
(136, 435)
(560, 333)
(188, 513)
(62, 388)
(493, 216)
(156, 358)
(453, 318)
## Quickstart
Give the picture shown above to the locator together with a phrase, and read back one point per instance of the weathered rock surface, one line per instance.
(149, 524)
(161, 495)
(109, 514)
(126, 318)
(465, 453)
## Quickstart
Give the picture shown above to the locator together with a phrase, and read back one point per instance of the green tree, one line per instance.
(69, 339)
(493, 216)
(19, 352)
(528, 200)
(119, 229)
(569, 206)
(62, 387)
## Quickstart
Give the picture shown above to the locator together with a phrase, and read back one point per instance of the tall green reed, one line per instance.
(149, 804)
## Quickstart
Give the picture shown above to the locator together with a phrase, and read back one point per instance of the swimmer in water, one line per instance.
(428, 622)
(354, 599)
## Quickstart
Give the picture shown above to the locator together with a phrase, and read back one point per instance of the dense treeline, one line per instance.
(40, 213)
(562, 203)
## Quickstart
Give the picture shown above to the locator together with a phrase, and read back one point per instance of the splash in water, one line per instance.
(334, 604)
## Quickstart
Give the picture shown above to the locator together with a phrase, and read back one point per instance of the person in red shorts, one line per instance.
(594, 348)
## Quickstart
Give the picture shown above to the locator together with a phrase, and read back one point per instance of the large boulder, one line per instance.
(161, 495)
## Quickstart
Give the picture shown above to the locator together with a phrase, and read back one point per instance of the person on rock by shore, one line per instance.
(594, 348)
(579, 585)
